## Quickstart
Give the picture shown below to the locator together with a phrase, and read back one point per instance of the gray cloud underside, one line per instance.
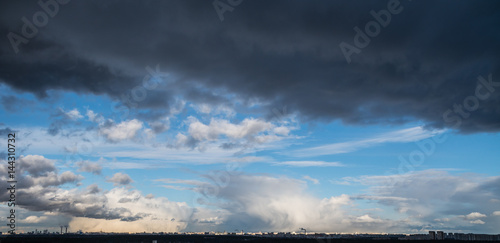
(284, 53)
(38, 190)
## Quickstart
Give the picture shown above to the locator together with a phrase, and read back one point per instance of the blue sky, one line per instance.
(166, 126)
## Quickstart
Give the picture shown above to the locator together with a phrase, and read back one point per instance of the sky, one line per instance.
(255, 116)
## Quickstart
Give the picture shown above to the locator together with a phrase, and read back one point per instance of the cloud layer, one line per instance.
(257, 202)
(422, 64)
(91, 208)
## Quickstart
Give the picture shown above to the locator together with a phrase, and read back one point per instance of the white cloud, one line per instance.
(263, 202)
(247, 128)
(283, 131)
(401, 136)
(54, 179)
(386, 198)
(313, 180)
(278, 203)
(475, 215)
(477, 221)
(141, 213)
(34, 219)
(36, 164)
(442, 220)
(189, 183)
(160, 125)
(368, 219)
(93, 209)
(204, 108)
(91, 115)
(128, 153)
(123, 131)
(245, 159)
(36, 170)
(87, 166)
(310, 164)
(247, 133)
(119, 179)
(417, 196)
(94, 117)
(496, 213)
(177, 107)
(73, 114)
(275, 203)
(214, 109)
(68, 176)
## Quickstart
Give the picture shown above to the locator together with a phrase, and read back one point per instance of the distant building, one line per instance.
(440, 235)
(432, 235)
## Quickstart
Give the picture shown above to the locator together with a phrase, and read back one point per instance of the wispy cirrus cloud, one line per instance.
(465, 198)
(309, 164)
(182, 185)
(313, 180)
(401, 136)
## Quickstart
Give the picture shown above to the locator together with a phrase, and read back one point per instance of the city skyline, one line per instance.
(201, 116)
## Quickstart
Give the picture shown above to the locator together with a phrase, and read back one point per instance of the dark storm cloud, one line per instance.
(284, 53)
